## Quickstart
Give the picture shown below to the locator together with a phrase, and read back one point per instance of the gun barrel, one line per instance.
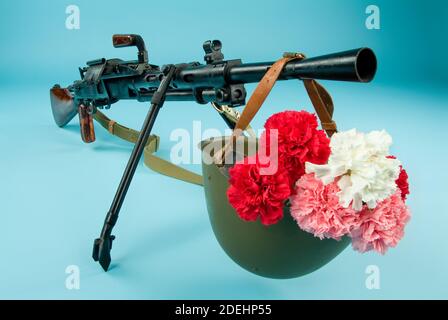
(358, 65)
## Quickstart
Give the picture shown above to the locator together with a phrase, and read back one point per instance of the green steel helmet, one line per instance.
(279, 251)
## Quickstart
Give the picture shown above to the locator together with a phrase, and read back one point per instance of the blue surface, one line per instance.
(55, 190)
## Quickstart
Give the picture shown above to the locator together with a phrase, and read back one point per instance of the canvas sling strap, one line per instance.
(153, 162)
(319, 97)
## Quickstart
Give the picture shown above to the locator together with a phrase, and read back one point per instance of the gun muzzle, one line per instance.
(357, 65)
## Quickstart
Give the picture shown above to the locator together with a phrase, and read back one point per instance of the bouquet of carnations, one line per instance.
(346, 185)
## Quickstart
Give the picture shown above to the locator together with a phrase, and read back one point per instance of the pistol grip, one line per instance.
(86, 124)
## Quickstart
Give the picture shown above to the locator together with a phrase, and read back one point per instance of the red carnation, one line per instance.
(402, 181)
(299, 141)
(254, 195)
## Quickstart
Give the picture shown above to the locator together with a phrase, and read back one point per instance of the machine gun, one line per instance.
(218, 81)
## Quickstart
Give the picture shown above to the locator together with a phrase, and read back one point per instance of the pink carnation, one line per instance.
(317, 210)
(381, 227)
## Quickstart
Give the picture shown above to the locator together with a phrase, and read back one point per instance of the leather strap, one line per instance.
(262, 91)
(320, 98)
(323, 104)
(254, 104)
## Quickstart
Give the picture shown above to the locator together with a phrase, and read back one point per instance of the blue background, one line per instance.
(55, 190)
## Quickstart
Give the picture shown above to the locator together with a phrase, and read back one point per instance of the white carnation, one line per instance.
(360, 160)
